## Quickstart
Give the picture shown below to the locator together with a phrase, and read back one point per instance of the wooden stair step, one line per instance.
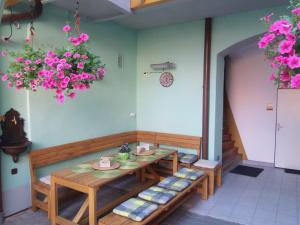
(226, 137)
(227, 145)
(229, 153)
(231, 162)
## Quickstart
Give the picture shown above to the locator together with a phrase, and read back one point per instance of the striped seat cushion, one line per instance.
(170, 157)
(188, 158)
(190, 174)
(135, 209)
(174, 183)
(157, 195)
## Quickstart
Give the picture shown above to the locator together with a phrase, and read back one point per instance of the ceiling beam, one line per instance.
(137, 4)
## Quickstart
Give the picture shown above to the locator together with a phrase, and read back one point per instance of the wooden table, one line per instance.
(90, 184)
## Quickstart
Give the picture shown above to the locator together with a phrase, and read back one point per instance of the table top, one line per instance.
(83, 174)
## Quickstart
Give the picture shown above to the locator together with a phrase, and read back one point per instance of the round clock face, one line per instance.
(166, 79)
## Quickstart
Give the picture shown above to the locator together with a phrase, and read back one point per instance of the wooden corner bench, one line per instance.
(163, 210)
(52, 155)
(48, 156)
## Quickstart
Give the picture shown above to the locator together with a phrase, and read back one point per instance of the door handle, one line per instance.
(279, 127)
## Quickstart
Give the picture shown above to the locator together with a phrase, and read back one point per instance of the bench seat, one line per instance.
(163, 210)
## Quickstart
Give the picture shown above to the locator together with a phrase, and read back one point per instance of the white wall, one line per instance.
(249, 91)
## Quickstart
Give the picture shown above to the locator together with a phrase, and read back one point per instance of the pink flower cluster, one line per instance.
(280, 45)
(63, 71)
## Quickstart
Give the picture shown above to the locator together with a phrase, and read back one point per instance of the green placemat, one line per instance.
(161, 151)
(146, 158)
(129, 165)
(107, 174)
(83, 168)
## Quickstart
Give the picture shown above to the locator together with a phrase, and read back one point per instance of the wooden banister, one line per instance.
(136, 4)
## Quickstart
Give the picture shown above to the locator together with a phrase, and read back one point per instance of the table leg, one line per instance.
(92, 206)
(204, 194)
(175, 162)
(211, 180)
(53, 201)
(219, 176)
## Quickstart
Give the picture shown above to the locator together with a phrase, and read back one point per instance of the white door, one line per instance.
(287, 154)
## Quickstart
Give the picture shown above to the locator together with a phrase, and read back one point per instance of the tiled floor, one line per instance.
(270, 199)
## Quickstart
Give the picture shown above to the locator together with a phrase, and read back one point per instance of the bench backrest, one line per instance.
(175, 140)
(55, 154)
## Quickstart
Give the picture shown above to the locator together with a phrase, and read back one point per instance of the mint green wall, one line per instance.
(177, 109)
(227, 31)
(105, 108)
(102, 110)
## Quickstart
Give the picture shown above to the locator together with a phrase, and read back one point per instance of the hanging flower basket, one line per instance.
(282, 47)
(65, 71)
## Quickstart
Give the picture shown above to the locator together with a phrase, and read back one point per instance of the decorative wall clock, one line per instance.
(166, 79)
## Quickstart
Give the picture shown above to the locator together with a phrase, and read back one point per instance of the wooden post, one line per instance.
(206, 83)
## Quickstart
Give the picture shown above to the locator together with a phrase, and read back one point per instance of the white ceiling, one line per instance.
(175, 11)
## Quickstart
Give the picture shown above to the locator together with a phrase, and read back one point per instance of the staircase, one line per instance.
(230, 157)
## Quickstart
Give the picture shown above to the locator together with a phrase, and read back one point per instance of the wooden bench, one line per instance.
(173, 140)
(52, 155)
(163, 210)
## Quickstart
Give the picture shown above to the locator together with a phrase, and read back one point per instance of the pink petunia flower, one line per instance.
(272, 76)
(27, 62)
(50, 54)
(37, 61)
(285, 77)
(66, 28)
(19, 59)
(19, 83)
(60, 75)
(267, 18)
(294, 62)
(59, 67)
(68, 54)
(296, 11)
(85, 57)
(27, 68)
(262, 43)
(72, 95)
(295, 81)
(84, 37)
(76, 41)
(9, 84)
(101, 72)
(3, 53)
(76, 56)
(4, 77)
(298, 25)
(286, 46)
(60, 98)
(80, 65)
(281, 27)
